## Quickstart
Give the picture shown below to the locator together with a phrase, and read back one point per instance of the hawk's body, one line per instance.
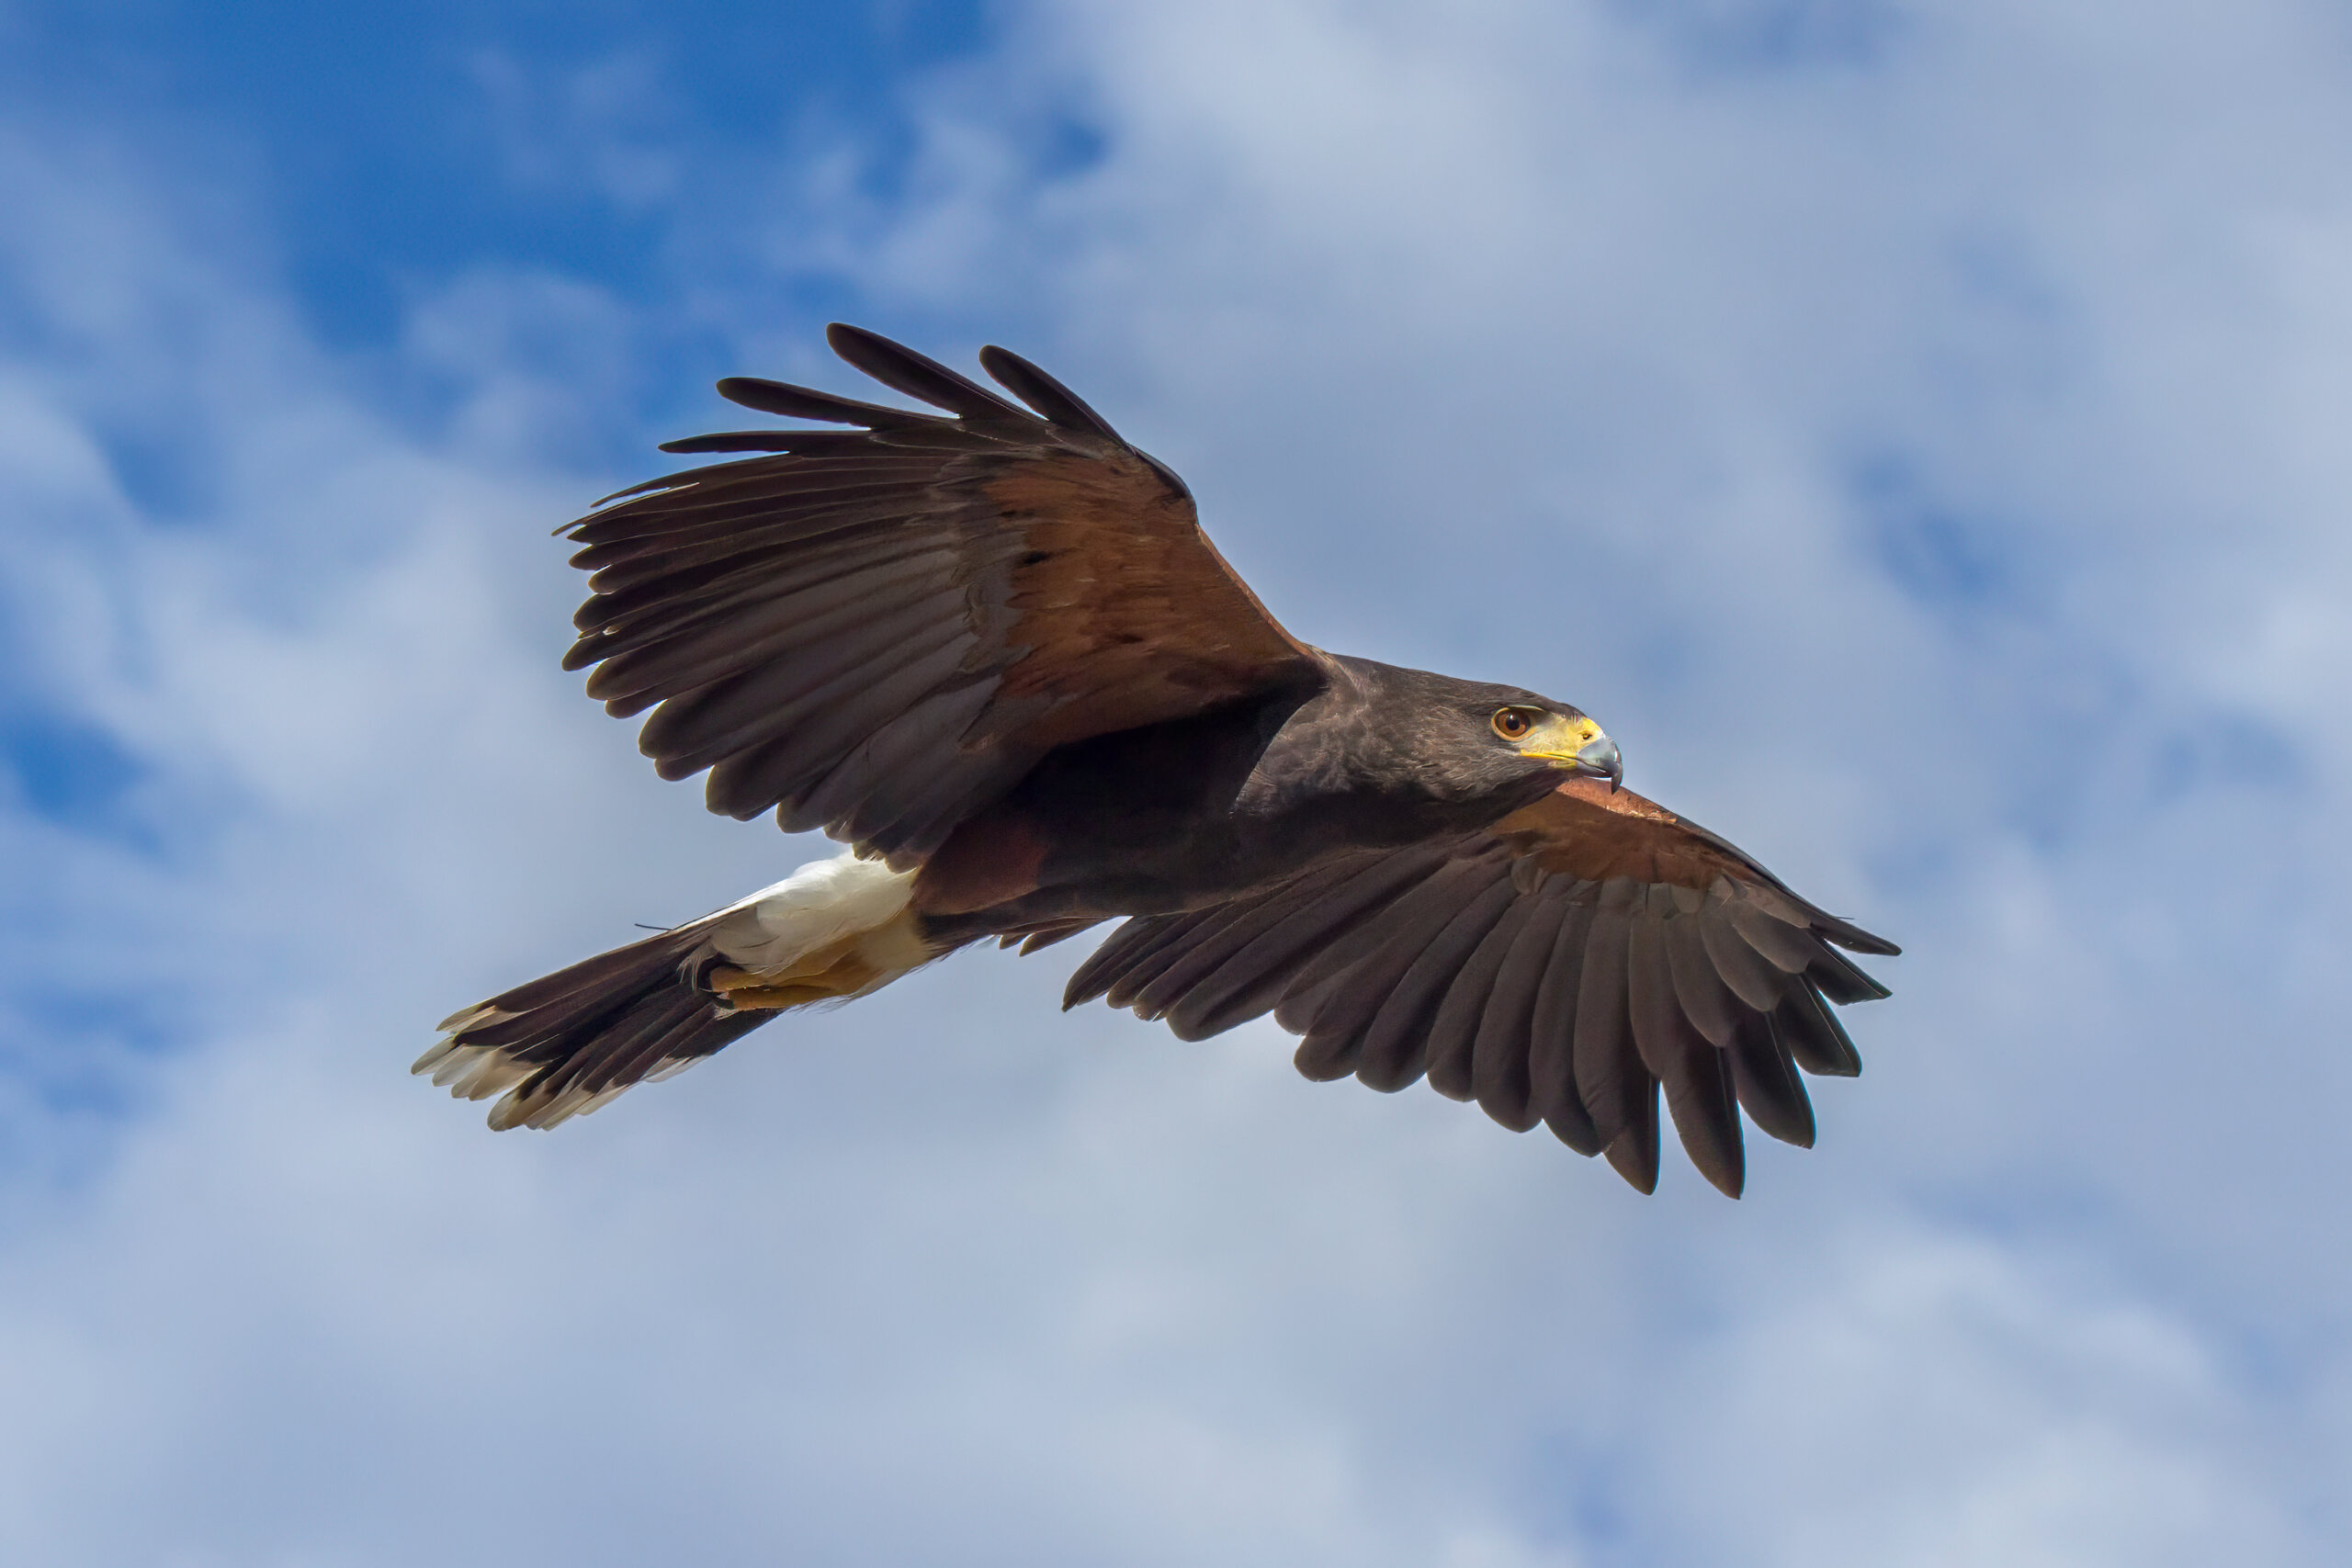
(1195, 811)
(997, 655)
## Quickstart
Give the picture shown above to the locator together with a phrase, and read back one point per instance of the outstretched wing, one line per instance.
(1556, 967)
(877, 630)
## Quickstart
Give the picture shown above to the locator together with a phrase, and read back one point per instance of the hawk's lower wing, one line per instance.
(1556, 967)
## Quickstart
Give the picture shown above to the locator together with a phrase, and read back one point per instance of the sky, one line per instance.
(1914, 429)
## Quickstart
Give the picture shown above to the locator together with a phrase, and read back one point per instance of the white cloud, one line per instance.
(1931, 1401)
(1912, 429)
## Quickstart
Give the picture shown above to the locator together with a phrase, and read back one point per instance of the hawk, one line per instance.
(991, 650)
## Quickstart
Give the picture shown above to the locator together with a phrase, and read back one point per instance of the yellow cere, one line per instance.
(1560, 739)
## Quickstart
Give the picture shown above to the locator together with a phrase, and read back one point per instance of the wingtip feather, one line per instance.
(902, 369)
(1043, 392)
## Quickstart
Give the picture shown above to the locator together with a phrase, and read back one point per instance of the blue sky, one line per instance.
(1915, 430)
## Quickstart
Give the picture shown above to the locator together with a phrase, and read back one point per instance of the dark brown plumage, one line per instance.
(995, 653)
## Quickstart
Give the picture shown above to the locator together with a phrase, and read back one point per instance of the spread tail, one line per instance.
(563, 1044)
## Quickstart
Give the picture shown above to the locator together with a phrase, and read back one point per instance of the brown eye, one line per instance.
(1513, 724)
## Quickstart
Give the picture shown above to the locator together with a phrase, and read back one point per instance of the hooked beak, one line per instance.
(1578, 746)
(1598, 759)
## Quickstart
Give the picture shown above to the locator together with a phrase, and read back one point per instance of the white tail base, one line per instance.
(834, 907)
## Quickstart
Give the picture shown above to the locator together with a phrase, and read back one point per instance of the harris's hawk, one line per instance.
(992, 649)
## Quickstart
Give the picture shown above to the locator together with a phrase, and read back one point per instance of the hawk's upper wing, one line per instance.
(878, 630)
(1556, 967)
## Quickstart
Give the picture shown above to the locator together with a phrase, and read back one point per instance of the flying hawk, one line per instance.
(992, 652)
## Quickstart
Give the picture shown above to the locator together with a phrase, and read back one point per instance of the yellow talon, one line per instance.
(832, 973)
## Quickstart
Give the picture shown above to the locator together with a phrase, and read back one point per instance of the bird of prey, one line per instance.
(991, 650)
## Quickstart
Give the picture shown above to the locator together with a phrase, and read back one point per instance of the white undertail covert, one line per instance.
(852, 906)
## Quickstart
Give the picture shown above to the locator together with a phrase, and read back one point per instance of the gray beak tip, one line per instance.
(1599, 758)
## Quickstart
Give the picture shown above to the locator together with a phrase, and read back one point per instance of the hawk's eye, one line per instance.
(1513, 724)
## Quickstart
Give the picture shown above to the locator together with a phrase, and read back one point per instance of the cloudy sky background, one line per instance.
(1915, 429)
